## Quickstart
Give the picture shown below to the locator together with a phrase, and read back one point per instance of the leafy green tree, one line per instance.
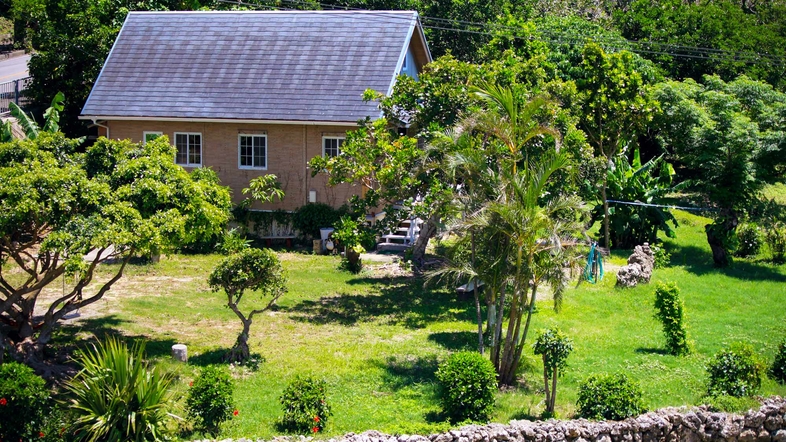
(72, 38)
(251, 269)
(740, 37)
(63, 213)
(614, 106)
(391, 168)
(729, 140)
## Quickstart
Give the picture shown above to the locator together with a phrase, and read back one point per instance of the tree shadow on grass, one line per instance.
(210, 357)
(652, 351)
(456, 340)
(698, 260)
(80, 333)
(395, 301)
(406, 371)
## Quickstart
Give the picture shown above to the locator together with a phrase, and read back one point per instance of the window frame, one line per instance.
(239, 153)
(188, 149)
(341, 139)
(150, 132)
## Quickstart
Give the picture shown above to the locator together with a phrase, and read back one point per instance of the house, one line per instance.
(254, 92)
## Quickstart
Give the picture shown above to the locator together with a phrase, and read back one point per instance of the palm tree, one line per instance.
(529, 234)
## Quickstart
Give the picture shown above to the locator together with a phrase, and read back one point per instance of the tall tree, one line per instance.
(729, 140)
(614, 106)
(72, 38)
(64, 213)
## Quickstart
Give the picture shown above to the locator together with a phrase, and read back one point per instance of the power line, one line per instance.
(642, 47)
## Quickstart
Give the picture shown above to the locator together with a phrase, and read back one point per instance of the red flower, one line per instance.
(191, 384)
(315, 429)
(40, 434)
(235, 413)
(3, 401)
(316, 418)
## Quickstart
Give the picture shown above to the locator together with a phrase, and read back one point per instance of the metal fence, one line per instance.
(13, 92)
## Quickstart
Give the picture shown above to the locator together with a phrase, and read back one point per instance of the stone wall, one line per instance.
(767, 424)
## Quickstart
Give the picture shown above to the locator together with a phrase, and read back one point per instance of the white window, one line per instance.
(189, 149)
(331, 146)
(150, 136)
(252, 151)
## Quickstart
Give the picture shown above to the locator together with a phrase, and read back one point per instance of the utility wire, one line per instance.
(663, 206)
(644, 47)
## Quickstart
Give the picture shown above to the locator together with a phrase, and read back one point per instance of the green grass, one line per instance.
(378, 340)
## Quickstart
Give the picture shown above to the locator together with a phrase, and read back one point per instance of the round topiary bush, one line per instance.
(609, 396)
(467, 385)
(24, 403)
(305, 406)
(735, 371)
(209, 401)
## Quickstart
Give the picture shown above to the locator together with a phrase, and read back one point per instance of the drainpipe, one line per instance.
(95, 123)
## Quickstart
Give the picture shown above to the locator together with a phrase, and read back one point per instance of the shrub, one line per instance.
(662, 257)
(750, 240)
(467, 383)
(305, 406)
(778, 368)
(670, 313)
(612, 397)
(117, 396)
(555, 348)
(309, 218)
(24, 402)
(233, 241)
(735, 371)
(209, 400)
(776, 241)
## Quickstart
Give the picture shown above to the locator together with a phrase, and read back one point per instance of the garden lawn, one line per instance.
(377, 340)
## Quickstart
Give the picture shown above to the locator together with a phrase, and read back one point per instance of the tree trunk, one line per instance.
(606, 242)
(546, 384)
(477, 299)
(553, 391)
(716, 232)
(428, 230)
(497, 337)
(240, 352)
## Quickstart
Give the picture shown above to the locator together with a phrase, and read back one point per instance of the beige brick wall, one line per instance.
(289, 147)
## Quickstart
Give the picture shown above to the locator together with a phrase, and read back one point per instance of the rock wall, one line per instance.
(767, 424)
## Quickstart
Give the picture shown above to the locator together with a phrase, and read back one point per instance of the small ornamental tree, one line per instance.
(670, 313)
(251, 269)
(555, 348)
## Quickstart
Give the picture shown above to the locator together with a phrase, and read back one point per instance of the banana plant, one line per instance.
(28, 123)
(642, 185)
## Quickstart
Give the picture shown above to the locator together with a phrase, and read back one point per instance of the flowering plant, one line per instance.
(305, 406)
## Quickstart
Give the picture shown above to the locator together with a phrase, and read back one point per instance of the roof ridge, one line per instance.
(365, 11)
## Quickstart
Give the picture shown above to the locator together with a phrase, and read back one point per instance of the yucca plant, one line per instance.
(117, 396)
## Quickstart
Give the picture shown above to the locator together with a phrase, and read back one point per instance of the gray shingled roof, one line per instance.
(270, 65)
